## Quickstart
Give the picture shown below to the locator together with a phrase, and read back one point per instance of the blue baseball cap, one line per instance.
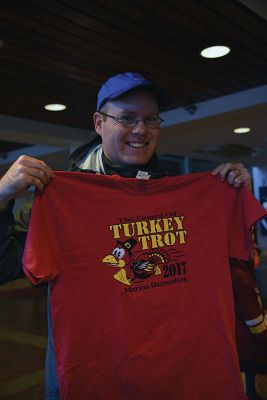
(120, 84)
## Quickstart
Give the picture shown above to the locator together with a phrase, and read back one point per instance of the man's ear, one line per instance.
(97, 118)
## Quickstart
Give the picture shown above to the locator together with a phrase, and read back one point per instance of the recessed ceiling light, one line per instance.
(243, 129)
(55, 107)
(215, 51)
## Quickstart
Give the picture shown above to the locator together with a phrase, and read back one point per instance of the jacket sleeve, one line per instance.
(12, 241)
(252, 312)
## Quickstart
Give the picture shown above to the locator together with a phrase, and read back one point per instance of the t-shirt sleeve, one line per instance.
(41, 258)
(246, 213)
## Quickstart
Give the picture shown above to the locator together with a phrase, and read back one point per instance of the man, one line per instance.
(127, 144)
(128, 128)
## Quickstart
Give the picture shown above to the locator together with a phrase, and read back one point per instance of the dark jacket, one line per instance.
(251, 321)
(12, 242)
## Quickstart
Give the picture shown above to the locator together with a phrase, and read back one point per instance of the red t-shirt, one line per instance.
(141, 294)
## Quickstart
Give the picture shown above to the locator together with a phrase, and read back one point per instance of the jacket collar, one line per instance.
(89, 154)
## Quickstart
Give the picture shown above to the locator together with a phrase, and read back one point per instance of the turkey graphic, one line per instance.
(131, 269)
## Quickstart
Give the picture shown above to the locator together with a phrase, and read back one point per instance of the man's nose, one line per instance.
(140, 127)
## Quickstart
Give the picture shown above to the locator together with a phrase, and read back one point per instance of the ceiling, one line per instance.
(62, 51)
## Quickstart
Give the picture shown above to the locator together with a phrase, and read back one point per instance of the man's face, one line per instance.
(129, 145)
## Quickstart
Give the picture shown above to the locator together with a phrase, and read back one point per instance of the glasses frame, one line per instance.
(119, 120)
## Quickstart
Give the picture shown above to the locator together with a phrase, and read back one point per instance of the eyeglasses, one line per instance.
(130, 121)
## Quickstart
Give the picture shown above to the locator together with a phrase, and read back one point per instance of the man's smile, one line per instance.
(137, 144)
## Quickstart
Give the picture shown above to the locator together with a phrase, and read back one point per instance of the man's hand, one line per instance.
(25, 171)
(235, 174)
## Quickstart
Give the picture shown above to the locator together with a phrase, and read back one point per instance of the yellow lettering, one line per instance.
(126, 229)
(116, 230)
(181, 235)
(179, 221)
(167, 224)
(169, 238)
(149, 232)
(144, 242)
(152, 226)
(142, 228)
(156, 241)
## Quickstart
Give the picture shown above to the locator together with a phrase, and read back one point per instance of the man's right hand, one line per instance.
(25, 171)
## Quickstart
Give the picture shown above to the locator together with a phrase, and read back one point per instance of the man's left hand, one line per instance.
(235, 174)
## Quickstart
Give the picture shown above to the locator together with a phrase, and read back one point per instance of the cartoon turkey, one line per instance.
(121, 257)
